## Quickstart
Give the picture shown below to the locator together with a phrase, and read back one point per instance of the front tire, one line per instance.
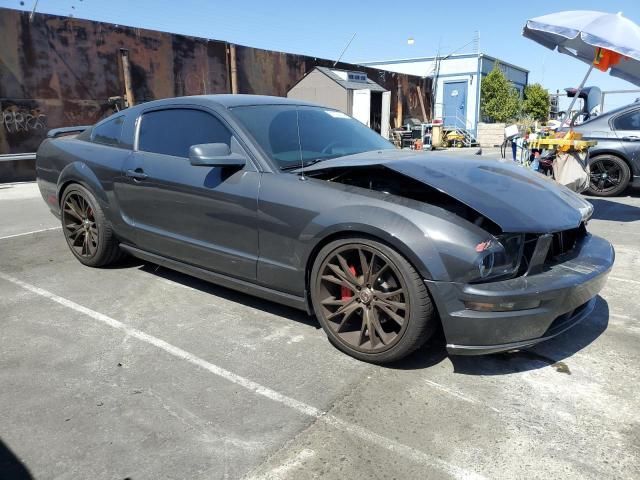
(609, 176)
(372, 304)
(88, 233)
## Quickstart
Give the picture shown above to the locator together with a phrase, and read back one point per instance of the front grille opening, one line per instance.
(564, 242)
(527, 252)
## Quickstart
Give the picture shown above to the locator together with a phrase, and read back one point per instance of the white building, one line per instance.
(457, 80)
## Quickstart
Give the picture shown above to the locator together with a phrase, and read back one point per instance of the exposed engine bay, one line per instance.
(390, 182)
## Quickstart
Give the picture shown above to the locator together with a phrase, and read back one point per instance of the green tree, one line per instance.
(536, 102)
(499, 100)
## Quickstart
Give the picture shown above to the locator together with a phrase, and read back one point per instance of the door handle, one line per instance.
(631, 138)
(137, 174)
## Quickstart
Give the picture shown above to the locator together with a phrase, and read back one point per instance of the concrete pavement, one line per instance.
(139, 372)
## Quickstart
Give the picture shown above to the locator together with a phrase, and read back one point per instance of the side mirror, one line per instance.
(215, 155)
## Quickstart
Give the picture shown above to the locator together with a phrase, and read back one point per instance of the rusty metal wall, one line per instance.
(61, 71)
(266, 72)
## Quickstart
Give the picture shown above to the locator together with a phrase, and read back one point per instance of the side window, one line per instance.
(628, 121)
(174, 131)
(108, 133)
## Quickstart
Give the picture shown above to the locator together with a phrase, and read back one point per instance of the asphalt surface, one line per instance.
(142, 373)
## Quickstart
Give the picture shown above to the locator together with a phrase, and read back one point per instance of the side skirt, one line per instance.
(223, 280)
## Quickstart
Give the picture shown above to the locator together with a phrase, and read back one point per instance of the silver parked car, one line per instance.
(615, 160)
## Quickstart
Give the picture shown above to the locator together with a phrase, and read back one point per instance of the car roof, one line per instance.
(613, 111)
(224, 101)
(602, 120)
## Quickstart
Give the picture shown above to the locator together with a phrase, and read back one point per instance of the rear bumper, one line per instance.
(566, 293)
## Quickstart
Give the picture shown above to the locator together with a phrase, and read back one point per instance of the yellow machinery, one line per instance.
(453, 138)
(571, 141)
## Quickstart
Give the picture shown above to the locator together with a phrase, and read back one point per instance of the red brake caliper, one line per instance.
(346, 292)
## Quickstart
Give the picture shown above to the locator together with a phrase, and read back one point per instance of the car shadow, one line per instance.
(616, 211)
(551, 353)
(231, 295)
(10, 465)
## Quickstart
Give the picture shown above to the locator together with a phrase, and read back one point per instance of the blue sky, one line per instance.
(382, 28)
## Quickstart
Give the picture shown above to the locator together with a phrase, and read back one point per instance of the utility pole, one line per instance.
(126, 71)
(233, 66)
(399, 104)
(35, 5)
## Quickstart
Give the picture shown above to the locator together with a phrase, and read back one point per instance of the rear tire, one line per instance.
(88, 234)
(609, 176)
(372, 304)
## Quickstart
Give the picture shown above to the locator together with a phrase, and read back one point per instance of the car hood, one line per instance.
(515, 198)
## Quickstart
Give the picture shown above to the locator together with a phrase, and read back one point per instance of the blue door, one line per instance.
(455, 104)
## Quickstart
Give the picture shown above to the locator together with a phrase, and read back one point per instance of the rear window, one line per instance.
(174, 131)
(108, 133)
(628, 121)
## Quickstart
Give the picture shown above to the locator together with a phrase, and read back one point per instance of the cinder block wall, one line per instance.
(490, 134)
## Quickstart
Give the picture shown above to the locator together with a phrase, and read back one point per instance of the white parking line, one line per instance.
(30, 233)
(281, 472)
(459, 395)
(363, 433)
(613, 232)
(624, 322)
(618, 279)
(627, 249)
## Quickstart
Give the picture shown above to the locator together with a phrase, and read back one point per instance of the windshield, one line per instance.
(292, 135)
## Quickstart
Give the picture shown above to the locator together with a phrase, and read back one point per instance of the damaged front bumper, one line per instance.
(565, 291)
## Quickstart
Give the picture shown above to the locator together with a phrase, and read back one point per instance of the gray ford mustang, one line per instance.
(305, 206)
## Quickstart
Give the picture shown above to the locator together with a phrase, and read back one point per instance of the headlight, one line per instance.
(499, 256)
(586, 212)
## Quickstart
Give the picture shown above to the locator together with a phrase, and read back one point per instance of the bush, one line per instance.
(536, 102)
(499, 100)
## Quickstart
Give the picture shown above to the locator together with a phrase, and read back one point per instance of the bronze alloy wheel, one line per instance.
(363, 298)
(80, 227)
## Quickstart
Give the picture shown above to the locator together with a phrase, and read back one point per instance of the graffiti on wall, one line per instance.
(15, 119)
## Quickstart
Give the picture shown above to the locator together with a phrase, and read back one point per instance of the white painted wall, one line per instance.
(385, 122)
(448, 69)
(455, 69)
(361, 109)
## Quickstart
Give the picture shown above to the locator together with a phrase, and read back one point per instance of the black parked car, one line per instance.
(303, 205)
(615, 160)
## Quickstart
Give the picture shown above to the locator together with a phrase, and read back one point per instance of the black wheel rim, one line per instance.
(606, 176)
(363, 298)
(80, 226)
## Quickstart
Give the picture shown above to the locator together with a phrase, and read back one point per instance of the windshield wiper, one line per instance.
(298, 166)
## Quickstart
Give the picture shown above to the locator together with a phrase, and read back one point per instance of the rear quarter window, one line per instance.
(627, 121)
(109, 132)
